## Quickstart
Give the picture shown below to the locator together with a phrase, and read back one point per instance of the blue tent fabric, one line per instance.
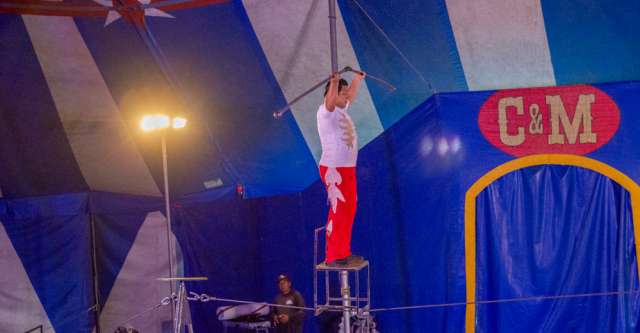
(578, 59)
(255, 241)
(553, 230)
(52, 238)
(117, 219)
(233, 135)
(217, 242)
(27, 169)
(209, 62)
(435, 57)
(139, 87)
(410, 220)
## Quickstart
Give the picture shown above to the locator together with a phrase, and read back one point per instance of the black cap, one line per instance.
(284, 277)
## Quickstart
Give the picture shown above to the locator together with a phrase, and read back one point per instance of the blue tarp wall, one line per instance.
(558, 226)
(541, 224)
(53, 239)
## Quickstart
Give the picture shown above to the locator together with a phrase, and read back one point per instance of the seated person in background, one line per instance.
(288, 320)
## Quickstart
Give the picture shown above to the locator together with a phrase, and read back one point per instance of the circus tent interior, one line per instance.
(497, 173)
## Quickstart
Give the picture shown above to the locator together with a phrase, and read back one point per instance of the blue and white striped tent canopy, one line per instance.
(73, 90)
(76, 77)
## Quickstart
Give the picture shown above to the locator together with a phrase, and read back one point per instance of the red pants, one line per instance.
(341, 191)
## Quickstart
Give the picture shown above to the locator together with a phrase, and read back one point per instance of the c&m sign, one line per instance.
(560, 120)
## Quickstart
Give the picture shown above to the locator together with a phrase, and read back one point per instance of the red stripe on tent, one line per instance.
(84, 8)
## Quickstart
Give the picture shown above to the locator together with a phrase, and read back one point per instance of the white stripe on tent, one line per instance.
(136, 288)
(502, 44)
(294, 35)
(20, 307)
(105, 152)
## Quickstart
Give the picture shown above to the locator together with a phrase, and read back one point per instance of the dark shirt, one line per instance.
(296, 316)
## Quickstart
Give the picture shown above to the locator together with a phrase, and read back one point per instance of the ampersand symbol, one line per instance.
(535, 126)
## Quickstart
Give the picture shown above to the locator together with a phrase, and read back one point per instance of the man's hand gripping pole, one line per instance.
(278, 114)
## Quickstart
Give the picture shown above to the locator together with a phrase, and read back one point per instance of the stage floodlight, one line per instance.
(154, 122)
(179, 122)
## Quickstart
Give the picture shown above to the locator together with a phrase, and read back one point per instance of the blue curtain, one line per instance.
(242, 246)
(218, 240)
(52, 237)
(117, 220)
(556, 230)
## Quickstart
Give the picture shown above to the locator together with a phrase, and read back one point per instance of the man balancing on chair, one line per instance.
(339, 142)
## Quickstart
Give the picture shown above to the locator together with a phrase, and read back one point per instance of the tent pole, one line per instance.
(344, 275)
(333, 47)
(332, 36)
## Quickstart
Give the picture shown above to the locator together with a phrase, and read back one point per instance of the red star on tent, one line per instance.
(133, 11)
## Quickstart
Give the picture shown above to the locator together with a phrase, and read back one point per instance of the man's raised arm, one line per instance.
(354, 87)
(332, 92)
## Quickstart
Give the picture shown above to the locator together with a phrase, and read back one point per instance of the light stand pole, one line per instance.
(165, 172)
(164, 124)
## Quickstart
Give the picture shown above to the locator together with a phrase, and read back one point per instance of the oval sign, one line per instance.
(552, 120)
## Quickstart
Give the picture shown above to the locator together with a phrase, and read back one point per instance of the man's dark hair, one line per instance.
(342, 83)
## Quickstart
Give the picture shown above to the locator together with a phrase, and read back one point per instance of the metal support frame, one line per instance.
(351, 302)
(345, 292)
(357, 300)
(180, 299)
(179, 302)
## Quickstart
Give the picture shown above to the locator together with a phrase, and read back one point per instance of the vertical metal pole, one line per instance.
(327, 291)
(368, 288)
(346, 301)
(357, 291)
(177, 324)
(332, 36)
(96, 294)
(165, 172)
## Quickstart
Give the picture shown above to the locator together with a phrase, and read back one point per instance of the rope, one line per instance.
(163, 302)
(207, 298)
(395, 47)
(507, 300)
(68, 319)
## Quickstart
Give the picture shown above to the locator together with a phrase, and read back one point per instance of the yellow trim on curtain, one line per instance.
(520, 163)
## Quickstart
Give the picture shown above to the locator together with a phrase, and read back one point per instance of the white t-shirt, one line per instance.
(338, 137)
